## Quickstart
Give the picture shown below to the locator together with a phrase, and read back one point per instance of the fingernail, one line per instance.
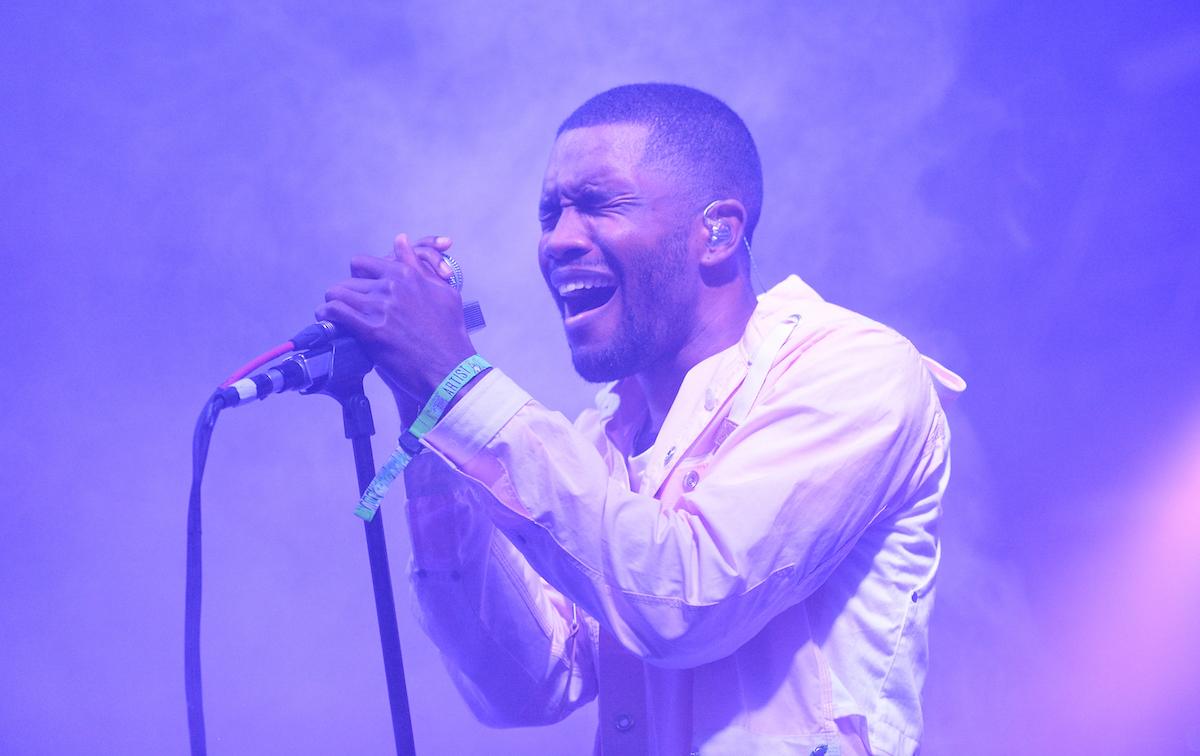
(442, 241)
(445, 269)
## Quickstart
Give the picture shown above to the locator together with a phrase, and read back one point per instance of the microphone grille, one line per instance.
(456, 274)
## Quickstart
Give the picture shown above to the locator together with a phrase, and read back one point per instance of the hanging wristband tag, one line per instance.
(410, 442)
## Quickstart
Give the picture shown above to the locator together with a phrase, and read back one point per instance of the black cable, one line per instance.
(191, 611)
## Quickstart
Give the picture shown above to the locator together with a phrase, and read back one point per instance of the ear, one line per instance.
(724, 224)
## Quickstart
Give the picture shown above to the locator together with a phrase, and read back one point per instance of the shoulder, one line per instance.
(834, 336)
(842, 362)
(829, 337)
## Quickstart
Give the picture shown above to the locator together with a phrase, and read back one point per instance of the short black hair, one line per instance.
(692, 132)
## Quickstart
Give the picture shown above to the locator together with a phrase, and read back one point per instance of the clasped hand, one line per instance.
(405, 313)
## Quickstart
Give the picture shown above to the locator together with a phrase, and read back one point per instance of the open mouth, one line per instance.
(578, 298)
(581, 290)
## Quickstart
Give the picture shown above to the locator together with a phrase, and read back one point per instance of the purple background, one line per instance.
(1013, 186)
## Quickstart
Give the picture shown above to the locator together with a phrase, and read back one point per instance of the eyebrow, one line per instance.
(588, 190)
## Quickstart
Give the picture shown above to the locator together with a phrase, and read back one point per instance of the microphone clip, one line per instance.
(336, 369)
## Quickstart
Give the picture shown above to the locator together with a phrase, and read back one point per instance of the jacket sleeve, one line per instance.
(514, 646)
(845, 430)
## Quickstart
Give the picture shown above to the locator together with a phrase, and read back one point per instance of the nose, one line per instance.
(567, 240)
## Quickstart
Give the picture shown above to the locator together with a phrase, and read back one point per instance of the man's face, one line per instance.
(614, 252)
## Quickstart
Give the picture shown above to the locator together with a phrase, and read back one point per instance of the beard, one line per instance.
(656, 317)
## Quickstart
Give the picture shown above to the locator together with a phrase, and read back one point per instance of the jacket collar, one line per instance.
(625, 396)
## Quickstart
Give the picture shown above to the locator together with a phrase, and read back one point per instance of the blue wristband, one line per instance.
(409, 446)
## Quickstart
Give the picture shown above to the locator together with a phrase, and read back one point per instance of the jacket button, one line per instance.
(670, 455)
(710, 400)
(690, 480)
(820, 750)
(623, 722)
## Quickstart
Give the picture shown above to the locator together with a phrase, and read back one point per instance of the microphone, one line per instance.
(303, 371)
(331, 357)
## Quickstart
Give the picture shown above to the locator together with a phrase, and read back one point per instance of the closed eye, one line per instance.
(588, 202)
(549, 217)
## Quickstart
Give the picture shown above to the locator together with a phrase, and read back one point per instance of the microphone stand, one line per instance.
(345, 384)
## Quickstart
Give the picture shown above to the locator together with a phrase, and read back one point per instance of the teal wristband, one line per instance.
(445, 393)
(430, 414)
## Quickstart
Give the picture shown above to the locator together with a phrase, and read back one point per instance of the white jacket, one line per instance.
(757, 582)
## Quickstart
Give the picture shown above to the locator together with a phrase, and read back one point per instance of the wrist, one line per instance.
(435, 370)
(409, 408)
(470, 384)
(449, 390)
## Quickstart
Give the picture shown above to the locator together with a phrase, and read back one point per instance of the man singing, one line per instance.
(734, 552)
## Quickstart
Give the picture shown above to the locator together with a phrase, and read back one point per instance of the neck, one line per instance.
(719, 328)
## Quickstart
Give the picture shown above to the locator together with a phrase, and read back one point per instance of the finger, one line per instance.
(440, 243)
(365, 285)
(344, 315)
(360, 301)
(365, 266)
(435, 261)
(402, 250)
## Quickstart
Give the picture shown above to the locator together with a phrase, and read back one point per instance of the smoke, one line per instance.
(181, 183)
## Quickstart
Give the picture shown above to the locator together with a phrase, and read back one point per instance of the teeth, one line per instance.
(574, 286)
